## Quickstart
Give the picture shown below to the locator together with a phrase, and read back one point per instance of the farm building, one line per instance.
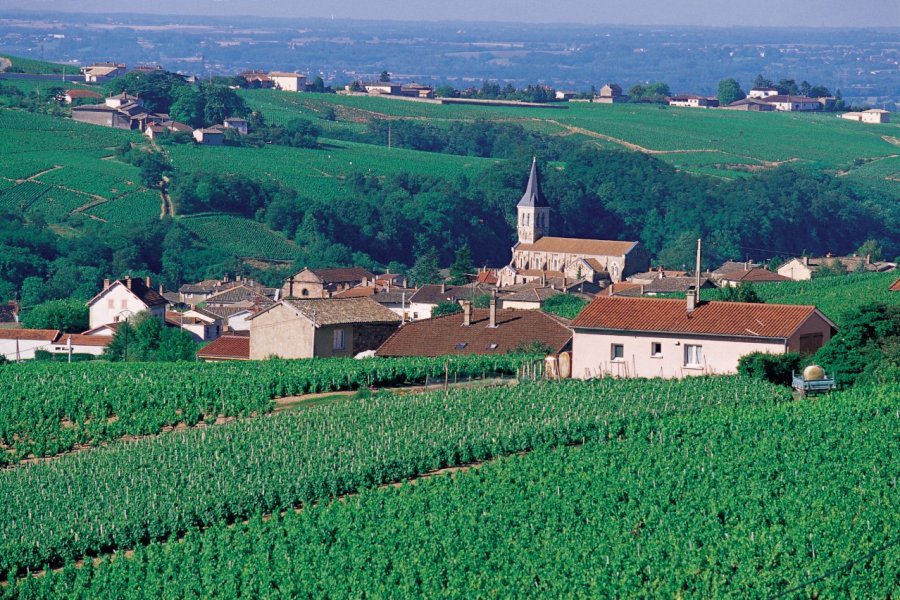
(79, 343)
(209, 136)
(537, 256)
(650, 337)
(755, 275)
(787, 103)
(873, 115)
(320, 328)
(751, 105)
(694, 101)
(479, 331)
(239, 125)
(103, 72)
(611, 93)
(289, 82)
(21, 344)
(759, 93)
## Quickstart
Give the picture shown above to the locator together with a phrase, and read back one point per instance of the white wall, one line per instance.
(592, 355)
(418, 311)
(109, 306)
(26, 348)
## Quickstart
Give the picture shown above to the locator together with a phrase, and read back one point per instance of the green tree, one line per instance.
(385, 77)
(564, 305)
(730, 91)
(761, 82)
(788, 86)
(462, 266)
(426, 268)
(867, 345)
(446, 307)
(831, 268)
(69, 315)
(871, 248)
(743, 292)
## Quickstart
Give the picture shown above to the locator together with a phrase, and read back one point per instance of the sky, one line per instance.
(765, 13)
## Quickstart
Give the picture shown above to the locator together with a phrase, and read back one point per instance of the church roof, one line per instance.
(533, 196)
(579, 246)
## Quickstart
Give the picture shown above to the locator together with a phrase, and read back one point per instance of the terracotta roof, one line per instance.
(95, 331)
(786, 98)
(178, 319)
(83, 94)
(36, 335)
(579, 246)
(285, 74)
(80, 339)
(709, 318)
(335, 311)
(447, 335)
(227, 347)
(342, 275)
(360, 291)
(432, 294)
(623, 287)
(488, 276)
(754, 275)
(895, 287)
(536, 294)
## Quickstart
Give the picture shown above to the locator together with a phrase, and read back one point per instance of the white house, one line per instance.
(21, 344)
(649, 337)
(101, 72)
(79, 343)
(762, 92)
(289, 82)
(787, 103)
(239, 125)
(124, 298)
(201, 326)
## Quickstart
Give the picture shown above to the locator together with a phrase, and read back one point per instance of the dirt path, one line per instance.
(36, 175)
(572, 130)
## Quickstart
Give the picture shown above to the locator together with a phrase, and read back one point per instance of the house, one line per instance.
(428, 296)
(650, 337)
(729, 267)
(873, 115)
(209, 136)
(751, 105)
(561, 95)
(155, 131)
(103, 72)
(231, 346)
(21, 344)
(123, 99)
(149, 69)
(107, 330)
(381, 88)
(244, 295)
(538, 256)
(319, 328)
(788, 103)
(202, 326)
(77, 95)
(479, 331)
(762, 93)
(658, 282)
(80, 344)
(235, 318)
(124, 298)
(289, 82)
(755, 275)
(257, 79)
(417, 90)
(805, 267)
(122, 111)
(322, 283)
(694, 101)
(532, 297)
(239, 125)
(611, 93)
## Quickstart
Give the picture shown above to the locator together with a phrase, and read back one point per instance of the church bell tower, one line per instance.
(533, 210)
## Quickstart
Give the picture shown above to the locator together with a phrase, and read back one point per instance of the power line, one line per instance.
(834, 571)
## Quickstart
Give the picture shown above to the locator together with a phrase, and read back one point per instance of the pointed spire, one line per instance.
(533, 195)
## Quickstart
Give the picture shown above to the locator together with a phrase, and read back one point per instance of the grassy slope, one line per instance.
(29, 65)
(710, 142)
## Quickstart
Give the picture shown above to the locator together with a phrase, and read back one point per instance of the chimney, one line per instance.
(493, 308)
(105, 283)
(128, 281)
(467, 313)
(868, 259)
(691, 299)
(443, 288)
(806, 261)
(148, 281)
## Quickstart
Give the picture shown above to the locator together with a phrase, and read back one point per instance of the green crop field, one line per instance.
(242, 237)
(136, 207)
(708, 142)
(39, 67)
(319, 173)
(705, 487)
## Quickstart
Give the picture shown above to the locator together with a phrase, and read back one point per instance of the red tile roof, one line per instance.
(80, 339)
(711, 318)
(343, 275)
(447, 335)
(895, 287)
(356, 292)
(36, 335)
(227, 347)
(83, 94)
(579, 246)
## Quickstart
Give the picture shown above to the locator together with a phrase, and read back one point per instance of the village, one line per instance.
(632, 325)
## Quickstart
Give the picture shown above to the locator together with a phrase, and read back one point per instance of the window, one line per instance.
(655, 348)
(305, 292)
(338, 340)
(461, 345)
(693, 355)
(111, 303)
(492, 346)
(617, 352)
(123, 304)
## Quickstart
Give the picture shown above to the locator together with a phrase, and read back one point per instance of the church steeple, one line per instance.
(533, 210)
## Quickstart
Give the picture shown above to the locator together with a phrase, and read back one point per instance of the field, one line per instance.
(242, 237)
(319, 174)
(709, 142)
(622, 488)
(40, 67)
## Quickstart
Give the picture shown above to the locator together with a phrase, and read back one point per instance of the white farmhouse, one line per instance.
(289, 82)
(123, 299)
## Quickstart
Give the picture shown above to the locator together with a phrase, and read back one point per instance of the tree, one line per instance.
(787, 86)
(743, 292)
(730, 91)
(761, 82)
(147, 338)
(70, 316)
(385, 77)
(445, 307)
(426, 268)
(831, 268)
(871, 249)
(462, 266)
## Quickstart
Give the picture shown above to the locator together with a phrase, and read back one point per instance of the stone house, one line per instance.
(322, 283)
(320, 327)
(103, 72)
(237, 124)
(649, 337)
(694, 101)
(209, 136)
(611, 93)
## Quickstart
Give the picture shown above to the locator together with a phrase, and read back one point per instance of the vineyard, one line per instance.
(136, 207)
(703, 487)
(255, 239)
(50, 408)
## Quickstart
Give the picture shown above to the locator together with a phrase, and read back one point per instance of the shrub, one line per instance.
(776, 368)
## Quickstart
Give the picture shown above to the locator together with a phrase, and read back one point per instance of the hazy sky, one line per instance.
(781, 13)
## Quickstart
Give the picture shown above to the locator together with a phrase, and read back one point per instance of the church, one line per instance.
(538, 256)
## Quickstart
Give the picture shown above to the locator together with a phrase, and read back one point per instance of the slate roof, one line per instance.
(447, 334)
(579, 246)
(533, 196)
(335, 311)
(226, 347)
(733, 319)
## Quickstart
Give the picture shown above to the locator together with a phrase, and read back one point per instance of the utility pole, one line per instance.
(697, 288)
